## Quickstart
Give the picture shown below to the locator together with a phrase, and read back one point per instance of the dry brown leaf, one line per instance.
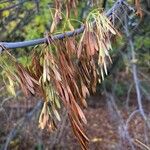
(80, 112)
(82, 138)
(70, 46)
(138, 7)
(85, 91)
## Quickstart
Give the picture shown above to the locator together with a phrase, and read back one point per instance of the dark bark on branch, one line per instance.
(13, 45)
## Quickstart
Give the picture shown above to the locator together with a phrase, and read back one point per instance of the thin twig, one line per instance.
(128, 96)
(7, 99)
(134, 70)
(122, 126)
(131, 117)
(142, 144)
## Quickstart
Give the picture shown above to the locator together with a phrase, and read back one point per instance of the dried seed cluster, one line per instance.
(65, 72)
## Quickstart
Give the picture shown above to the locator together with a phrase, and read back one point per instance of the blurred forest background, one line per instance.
(118, 114)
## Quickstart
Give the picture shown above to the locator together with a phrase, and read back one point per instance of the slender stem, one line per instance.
(134, 70)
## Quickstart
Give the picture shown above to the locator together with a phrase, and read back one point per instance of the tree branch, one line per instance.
(13, 45)
(134, 70)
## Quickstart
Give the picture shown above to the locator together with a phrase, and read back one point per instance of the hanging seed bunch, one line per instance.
(57, 16)
(65, 72)
(71, 5)
(96, 39)
(59, 81)
(52, 103)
